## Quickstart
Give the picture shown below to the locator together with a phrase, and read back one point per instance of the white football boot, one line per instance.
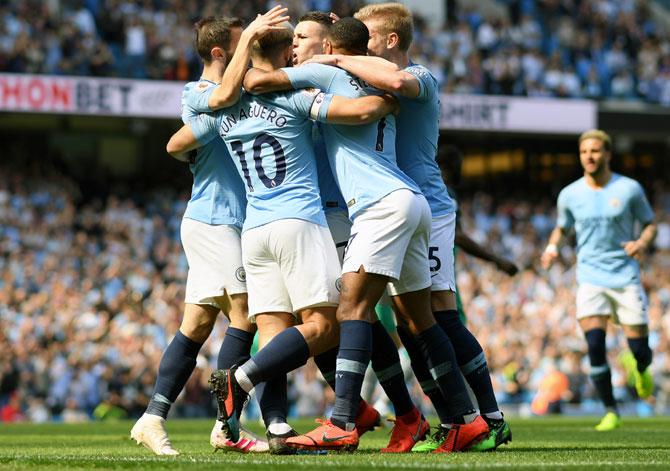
(150, 431)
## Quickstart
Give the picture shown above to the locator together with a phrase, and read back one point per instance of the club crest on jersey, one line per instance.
(241, 275)
(615, 202)
(202, 86)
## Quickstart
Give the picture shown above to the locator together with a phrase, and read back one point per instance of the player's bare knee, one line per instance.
(198, 321)
(328, 328)
(197, 331)
(350, 310)
(443, 300)
(635, 331)
(240, 320)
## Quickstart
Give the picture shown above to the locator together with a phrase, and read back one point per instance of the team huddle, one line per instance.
(317, 196)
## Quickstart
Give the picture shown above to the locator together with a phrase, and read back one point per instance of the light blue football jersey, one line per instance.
(362, 158)
(418, 128)
(217, 196)
(269, 138)
(603, 219)
(331, 197)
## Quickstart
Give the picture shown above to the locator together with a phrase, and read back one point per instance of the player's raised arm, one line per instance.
(229, 91)
(361, 110)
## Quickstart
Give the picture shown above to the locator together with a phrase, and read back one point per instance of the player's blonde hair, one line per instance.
(597, 134)
(395, 18)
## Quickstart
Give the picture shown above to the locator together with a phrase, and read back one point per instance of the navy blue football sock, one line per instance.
(326, 362)
(641, 351)
(235, 348)
(177, 364)
(439, 354)
(273, 400)
(423, 376)
(285, 352)
(352, 361)
(600, 371)
(471, 359)
(386, 364)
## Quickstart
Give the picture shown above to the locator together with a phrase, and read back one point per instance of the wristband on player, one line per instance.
(551, 248)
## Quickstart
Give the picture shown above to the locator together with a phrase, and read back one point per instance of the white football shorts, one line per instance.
(441, 253)
(391, 238)
(339, 225)
(627, 305)
(214, 255)
(291, 265)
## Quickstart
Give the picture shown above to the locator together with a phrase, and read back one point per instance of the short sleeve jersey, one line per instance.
(269, 140)
(362, 158)
(417, 128)
(603, 219)
(217, 196)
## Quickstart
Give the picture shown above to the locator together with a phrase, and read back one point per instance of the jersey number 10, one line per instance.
(280, 160)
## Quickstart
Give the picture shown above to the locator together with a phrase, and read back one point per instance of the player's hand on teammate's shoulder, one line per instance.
(270, 21)
(325, 59)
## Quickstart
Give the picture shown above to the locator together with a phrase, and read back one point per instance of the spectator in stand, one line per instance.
(614, 49)
(89, 292)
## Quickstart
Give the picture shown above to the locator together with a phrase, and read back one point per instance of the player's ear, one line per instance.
(218, 54)
(288, 55)
(327, 47)
(392, 40)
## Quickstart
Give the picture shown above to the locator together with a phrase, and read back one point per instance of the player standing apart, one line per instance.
(604, 208)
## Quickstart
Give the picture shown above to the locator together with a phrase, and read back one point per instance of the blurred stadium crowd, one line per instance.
(91, 290)
(568, 48)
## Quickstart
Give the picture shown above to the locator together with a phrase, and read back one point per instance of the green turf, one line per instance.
(538, 443)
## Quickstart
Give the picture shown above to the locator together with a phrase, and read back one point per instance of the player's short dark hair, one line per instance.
(350, 34)
(320, 17)
(273, 42)
(213, 32)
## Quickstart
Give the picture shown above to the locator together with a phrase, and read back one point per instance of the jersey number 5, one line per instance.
(280, 160)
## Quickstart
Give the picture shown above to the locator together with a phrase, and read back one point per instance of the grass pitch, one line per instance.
(538, 443)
